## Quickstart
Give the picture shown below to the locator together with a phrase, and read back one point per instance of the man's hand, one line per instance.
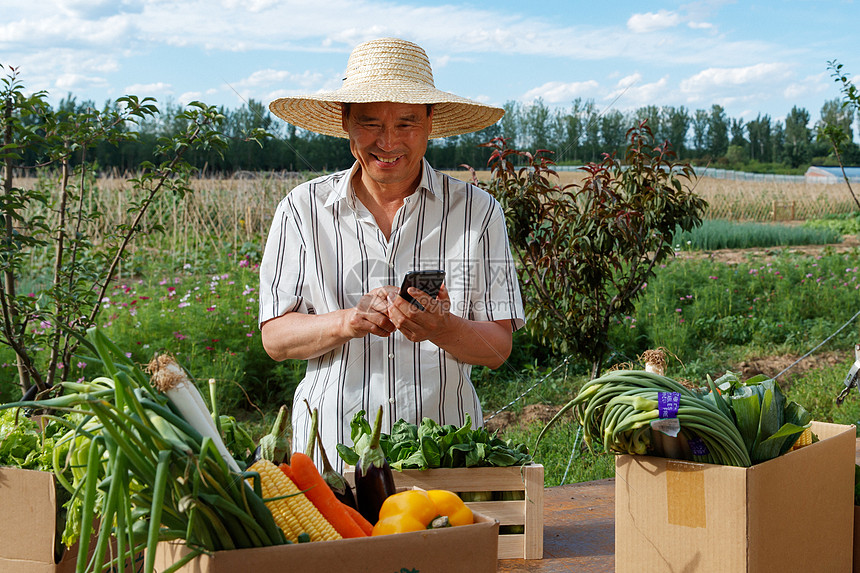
(304, 336)
(370, 315)
(415, 324)
(483, 342)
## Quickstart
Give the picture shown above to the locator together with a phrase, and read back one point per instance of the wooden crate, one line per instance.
(527, 512)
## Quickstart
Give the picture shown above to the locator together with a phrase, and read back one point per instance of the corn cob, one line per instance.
(296, 514)
(803, 440)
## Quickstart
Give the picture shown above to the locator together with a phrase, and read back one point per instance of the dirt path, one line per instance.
(737, 256)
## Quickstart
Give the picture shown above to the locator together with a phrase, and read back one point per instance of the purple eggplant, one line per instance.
(374, 481)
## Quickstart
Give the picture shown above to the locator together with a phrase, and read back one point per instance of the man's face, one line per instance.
(388, 140)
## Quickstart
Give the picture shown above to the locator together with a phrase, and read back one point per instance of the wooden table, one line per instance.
(578, 531)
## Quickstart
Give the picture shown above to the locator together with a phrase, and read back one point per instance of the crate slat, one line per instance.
(527, 512)
(511, 546)
(506, 512)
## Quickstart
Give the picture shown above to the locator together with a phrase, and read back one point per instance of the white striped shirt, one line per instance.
(325, 251)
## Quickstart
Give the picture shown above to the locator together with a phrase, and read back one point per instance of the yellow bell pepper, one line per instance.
(450, 505)
(416, 509)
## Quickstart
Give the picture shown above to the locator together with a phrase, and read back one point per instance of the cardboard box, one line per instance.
(526, 512)
(463, 549)
(856, 539)
(28, 499)
(792, 513)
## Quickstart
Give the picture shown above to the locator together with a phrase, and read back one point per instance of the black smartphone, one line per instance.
(429, 281)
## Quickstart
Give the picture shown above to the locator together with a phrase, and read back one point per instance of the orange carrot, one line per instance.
(365, 525)
(287, 471)
(307, 477)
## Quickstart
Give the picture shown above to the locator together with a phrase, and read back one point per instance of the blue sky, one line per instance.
(751, 57)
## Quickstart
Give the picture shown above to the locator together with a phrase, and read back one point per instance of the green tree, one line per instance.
(511, 122)
(585, 251)
(701, 122)
(838, 137)
(538, 125)
(678, 121)
(612, 131)
(798, 137)
(43, 327)
(575, 124)
(841, 117)
(591, 119)
(737, 131)
(718, 132)
(760, 138)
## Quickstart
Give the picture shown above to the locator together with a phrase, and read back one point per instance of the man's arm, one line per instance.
(479, 342)
(304, 336)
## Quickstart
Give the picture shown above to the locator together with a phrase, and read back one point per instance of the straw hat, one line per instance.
(392, 70)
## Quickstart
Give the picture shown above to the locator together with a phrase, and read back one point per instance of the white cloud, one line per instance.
(561, 92)
(630, 94)
(188, 97)
(152, 89)
(252, 5)
(816, 84)
(79, 44)
(734, 77)
(653, 21)
(441, 62)
(288, 83)
(74, 82)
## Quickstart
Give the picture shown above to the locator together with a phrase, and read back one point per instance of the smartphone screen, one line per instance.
(429, 281)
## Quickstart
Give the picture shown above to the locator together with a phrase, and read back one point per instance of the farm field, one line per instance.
(240, 208)
(749, 200)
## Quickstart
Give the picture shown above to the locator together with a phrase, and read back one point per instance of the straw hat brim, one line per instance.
(321, 112)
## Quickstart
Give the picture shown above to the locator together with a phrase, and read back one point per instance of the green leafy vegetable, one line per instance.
(23, 444)
(768, 423)
(433, 445)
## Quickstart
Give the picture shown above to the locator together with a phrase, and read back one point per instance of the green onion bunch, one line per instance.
(143, 474)
(618, 410)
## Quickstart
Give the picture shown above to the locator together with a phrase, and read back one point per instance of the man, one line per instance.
(341, 243)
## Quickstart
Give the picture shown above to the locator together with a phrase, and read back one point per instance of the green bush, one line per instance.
(844, 224)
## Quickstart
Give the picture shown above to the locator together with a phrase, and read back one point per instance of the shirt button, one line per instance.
(391, 355)
(391, 400)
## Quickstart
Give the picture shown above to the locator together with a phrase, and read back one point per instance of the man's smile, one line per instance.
(387, 159)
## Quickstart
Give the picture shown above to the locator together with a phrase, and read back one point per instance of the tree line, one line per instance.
(577, 134)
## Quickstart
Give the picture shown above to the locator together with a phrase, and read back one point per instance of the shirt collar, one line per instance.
(431, 180)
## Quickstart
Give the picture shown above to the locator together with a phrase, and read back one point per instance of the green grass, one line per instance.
(715, 234)
(562, 462)
(705, 311)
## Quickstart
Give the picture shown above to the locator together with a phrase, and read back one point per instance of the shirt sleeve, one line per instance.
(282, 270)
(501, 298)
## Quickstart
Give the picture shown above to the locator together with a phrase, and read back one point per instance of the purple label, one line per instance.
(668, 403)
(697, 446)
